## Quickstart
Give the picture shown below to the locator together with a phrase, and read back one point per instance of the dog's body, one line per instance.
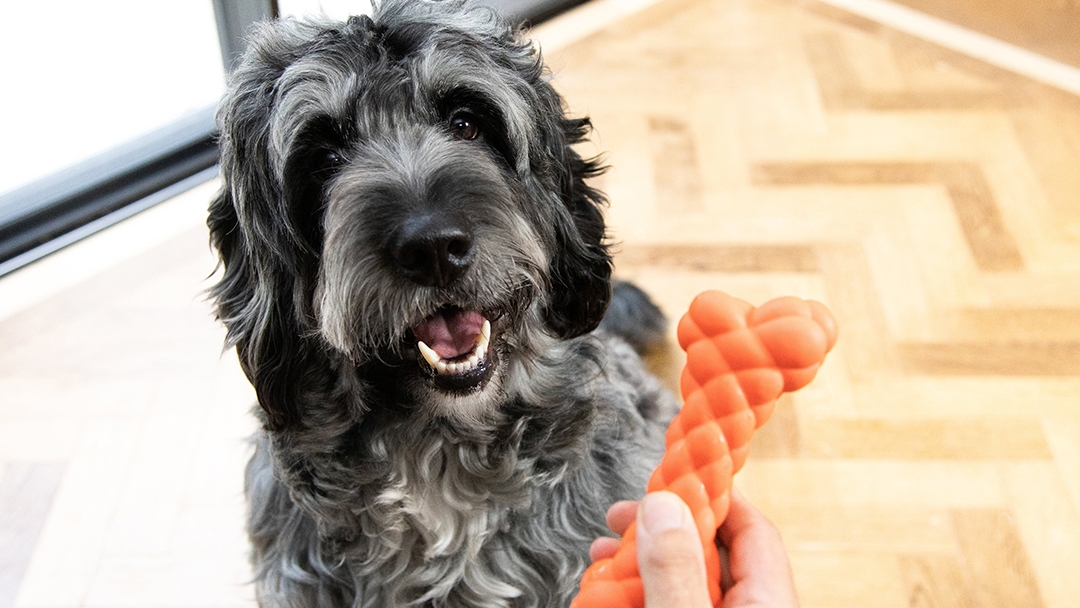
(414, 268)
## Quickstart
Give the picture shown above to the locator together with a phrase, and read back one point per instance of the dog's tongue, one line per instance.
(451, 333)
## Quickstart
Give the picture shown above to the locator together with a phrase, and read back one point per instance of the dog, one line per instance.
(415, 273)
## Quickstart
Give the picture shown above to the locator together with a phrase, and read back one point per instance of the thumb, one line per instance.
(670, 557)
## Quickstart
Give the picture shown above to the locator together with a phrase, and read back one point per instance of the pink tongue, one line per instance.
(451, 333)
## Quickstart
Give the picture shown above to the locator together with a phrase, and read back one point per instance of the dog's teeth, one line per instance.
(430, 356)
(457, 367)
(483, 339)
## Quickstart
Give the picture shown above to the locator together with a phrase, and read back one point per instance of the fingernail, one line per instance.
(662, 511)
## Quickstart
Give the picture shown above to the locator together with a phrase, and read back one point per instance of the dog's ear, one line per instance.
(581, 265)
(260, 255)
(260, 326)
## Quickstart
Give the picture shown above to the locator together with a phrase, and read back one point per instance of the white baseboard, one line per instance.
(962, 40)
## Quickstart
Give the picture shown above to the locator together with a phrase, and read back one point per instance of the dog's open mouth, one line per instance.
(456, 344)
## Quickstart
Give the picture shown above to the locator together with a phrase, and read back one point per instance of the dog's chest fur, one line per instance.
(449, 506)
(427, 516)
(440, 511)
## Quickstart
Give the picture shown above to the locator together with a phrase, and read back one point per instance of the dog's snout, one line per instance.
(433, 250)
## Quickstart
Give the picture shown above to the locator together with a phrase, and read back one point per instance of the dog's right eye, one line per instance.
(465, 126)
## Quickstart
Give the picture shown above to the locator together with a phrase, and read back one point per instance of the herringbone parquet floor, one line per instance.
(762, 147)
(771, 147)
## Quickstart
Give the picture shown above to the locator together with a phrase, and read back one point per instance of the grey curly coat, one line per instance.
(409, 178)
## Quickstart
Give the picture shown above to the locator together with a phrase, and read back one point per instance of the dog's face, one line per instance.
(400, 194)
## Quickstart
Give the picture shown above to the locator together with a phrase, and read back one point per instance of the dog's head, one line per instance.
(400, 193)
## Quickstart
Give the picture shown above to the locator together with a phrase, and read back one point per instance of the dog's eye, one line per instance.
(327, 162)
(464, 126)
(331, 159)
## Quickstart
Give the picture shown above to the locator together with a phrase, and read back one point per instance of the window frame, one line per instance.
(57, 210)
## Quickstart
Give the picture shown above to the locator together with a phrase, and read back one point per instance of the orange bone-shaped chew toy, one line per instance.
(739, 361)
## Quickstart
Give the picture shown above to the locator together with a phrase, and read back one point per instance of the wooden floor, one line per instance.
(762, 147)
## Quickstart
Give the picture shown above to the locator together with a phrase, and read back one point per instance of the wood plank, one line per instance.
(879, 529)
(842, 579)
(719, 258)
(991, 243)
(1048, 525)
(74, 537)
(994, 359)
(781, 437)
(873, 484)
(996, 559)
(931, 439)
(26, 496)
(841, 88)
(675, 166)
(935, 581)
(1010, 324)
(856, 303)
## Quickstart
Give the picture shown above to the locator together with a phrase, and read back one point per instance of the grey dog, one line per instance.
(416, 275)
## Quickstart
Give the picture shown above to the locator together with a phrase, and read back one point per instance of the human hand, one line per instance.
(672, 565)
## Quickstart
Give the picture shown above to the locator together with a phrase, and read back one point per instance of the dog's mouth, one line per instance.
(457, 348)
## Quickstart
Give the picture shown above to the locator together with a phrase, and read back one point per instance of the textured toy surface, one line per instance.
(739, 360)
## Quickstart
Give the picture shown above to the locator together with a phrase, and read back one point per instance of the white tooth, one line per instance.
(441, 367)
(473, 359)
(456, 368)
(430, 356)
(483, 340)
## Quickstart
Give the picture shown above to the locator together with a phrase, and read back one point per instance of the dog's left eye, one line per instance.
(331, 159)
(464, 126)
(327, 162)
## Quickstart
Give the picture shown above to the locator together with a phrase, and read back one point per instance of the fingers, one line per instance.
(670, 557)
(760, 570)
(756, 569)
(619, 518)
(746, 526)
(621, 515)
(742, 517)
(603, 548)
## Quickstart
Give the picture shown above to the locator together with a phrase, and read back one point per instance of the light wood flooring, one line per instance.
(762, 147)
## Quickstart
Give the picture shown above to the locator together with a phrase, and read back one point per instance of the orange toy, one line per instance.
(739, 361)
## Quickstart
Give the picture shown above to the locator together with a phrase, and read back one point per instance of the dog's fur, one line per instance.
(374, 482)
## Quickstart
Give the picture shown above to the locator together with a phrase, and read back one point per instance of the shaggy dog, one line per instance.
(414, 274)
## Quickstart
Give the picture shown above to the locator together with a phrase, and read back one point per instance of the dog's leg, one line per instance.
(290, 570)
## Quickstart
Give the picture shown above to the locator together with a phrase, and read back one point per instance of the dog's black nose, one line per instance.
(433, 250)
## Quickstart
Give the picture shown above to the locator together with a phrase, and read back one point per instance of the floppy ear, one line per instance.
(262, 326)
(581, 265)
(257, 295)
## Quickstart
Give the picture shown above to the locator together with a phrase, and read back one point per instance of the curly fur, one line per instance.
(370, 485)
